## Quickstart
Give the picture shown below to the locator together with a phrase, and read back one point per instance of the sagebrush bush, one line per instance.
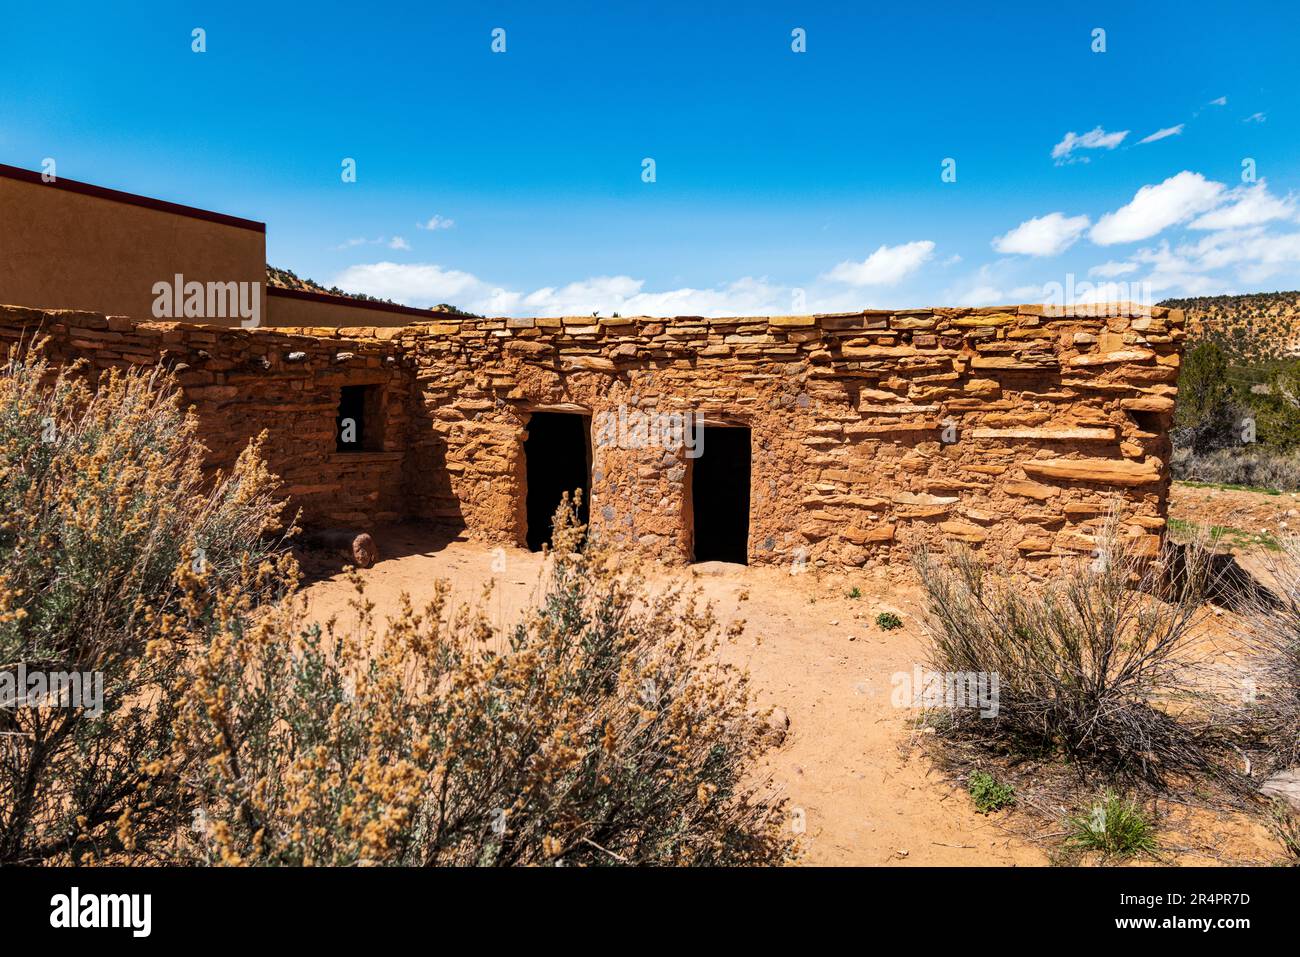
(102, 500)
(1274, 636)
(602, 729)
(599, 730)
(1254, 466)
(1087, 665)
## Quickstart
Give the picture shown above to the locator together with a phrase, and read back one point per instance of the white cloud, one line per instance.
(1092, 140)
(747, 296)
(1025, 294)
(1221, 262)
(1048, 235)
(1173, 272)
(980, 296)
(1237, 251)
(1250, 206)
(424, 284)
(1155, 208)
(415, 283)
(1086, 292)
(985, 286)
(396, 242)
(1161, 134)
(885, 267)
(1254, 253)
(624, 294)
(1109, 270)
(1221, 101)
(1255, 118)
(436, 222)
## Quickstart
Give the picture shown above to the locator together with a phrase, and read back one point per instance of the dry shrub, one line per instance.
(1253, 466)
(102, 499)
(600, 730)
(1094, 665)
(1274, 636)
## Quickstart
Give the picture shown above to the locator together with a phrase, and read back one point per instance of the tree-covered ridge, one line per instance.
(1252, 328)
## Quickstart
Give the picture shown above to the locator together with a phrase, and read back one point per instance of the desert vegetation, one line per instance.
(102, 503)
(1107, 696)
(1274, 636)
(601, 729)
(1260, 326)
(1113, 826)
(1238, 415)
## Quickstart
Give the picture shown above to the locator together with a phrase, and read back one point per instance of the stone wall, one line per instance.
(242, 382)
(1010, 428)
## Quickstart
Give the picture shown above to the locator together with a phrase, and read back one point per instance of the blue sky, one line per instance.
(784, 181)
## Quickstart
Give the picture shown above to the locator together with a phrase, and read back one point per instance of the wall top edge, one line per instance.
(131, 199)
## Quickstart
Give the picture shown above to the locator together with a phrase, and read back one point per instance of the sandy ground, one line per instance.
(1253, 512)
(849, 766)
(865, 795)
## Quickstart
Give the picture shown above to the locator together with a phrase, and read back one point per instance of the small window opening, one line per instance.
(1149, 422)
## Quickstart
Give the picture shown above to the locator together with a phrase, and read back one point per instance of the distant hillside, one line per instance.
(1257, 327)
(288, 279)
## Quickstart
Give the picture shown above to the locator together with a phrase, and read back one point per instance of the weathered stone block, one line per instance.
(1105, 471)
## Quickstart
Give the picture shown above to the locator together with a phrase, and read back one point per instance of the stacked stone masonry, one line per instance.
(1014, 429)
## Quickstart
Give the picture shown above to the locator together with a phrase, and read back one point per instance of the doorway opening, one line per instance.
(357, 425)
(720, 496)
(557, 456)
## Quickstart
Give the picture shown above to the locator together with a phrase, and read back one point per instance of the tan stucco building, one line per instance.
(71, 245)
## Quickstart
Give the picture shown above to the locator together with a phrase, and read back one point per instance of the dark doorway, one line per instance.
(357, 426)
(720, 496)
(557, 458)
